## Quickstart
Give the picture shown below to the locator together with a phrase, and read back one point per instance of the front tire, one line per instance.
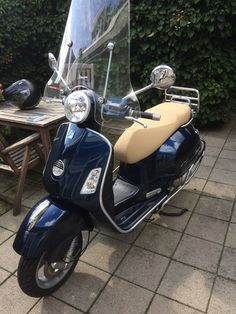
(39, 278)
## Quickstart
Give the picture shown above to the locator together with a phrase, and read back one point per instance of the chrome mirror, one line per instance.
(162, 77)
(52, 61)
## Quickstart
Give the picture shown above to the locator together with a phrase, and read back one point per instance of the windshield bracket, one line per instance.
(110, 46)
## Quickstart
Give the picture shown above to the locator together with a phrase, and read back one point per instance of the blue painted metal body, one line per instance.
(82, 150)
(56, 228)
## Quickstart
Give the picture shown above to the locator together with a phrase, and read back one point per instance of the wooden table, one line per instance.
(51, 115)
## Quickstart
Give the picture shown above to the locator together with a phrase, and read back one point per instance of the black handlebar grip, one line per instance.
(152, 116)
(146, 115)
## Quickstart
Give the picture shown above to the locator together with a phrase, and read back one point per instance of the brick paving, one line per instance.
(167, 265)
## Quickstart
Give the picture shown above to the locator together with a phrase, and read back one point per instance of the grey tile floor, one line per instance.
(167, 265)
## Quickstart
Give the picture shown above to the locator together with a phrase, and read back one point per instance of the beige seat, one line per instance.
(137, 142)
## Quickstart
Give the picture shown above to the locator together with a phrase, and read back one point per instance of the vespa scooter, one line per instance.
(158, 150)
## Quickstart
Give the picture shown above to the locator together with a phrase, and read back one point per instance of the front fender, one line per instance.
(59, 223)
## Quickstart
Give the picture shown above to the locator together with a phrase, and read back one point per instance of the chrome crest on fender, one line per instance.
(58, 168)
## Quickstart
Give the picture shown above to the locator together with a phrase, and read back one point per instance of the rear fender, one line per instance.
(49, 227)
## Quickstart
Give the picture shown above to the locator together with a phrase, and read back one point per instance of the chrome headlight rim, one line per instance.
(79, 98)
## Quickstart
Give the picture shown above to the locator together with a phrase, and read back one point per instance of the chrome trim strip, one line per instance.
(103, 181)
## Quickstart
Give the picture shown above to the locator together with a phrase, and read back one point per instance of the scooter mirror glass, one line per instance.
(162, 77)
(95, 53)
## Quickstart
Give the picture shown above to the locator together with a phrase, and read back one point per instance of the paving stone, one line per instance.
(231, 236)
(7, 182)
(220, 132)
(83, 287)
(28, 191)
(233, 219)
(13, 300)
(223, 176)
(176, 223)
(207, 228)
(208, 161)
(127, 238)
(185, 199)
(229, 154)
(37, 195)
(162, 305)
(214, 141)
(158, 239)
(226, 164)
(8, 257)
(212, 151)
(214, 207)
(13, 222)
(105, 253)
(203, 172)
(120, 296)
(187, 285)
(3, 275)
(4, 207)
(220, 190)
(195, 185)
(199, 253)
(223, 299)
(36, 174)
(230, 144)
(4, 234)
(143, 268)
(228, 266)
(51, 305)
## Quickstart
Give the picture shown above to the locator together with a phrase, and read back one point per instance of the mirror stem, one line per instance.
(144, 89)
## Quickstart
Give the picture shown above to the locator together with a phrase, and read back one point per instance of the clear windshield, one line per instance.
(93, 28)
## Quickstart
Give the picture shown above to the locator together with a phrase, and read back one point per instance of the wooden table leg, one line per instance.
(46, 141)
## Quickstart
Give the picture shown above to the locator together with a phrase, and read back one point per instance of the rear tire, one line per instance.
(52, 276)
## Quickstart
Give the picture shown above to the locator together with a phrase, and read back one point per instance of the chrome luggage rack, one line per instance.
(191, 96)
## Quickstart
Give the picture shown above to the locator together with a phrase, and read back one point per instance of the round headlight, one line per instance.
(77, 107)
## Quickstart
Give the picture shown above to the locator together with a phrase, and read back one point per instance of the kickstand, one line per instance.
(180, 212)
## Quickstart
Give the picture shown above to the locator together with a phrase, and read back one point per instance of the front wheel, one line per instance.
(37, 277)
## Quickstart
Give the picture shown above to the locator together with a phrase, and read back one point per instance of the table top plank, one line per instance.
(50, 113)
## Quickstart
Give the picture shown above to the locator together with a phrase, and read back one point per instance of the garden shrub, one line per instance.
(29, 30)
(197, 38)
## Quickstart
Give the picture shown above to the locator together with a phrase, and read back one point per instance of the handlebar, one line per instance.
(123, 111)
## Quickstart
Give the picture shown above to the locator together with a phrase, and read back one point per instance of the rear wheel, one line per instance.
(38, 277)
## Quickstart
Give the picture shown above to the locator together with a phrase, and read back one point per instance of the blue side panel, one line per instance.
(81, 150)
(169, 162)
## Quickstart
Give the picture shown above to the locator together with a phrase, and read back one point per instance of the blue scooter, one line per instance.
(158, 150)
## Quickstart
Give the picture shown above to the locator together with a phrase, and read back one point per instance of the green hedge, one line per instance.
(29, 29)
(197, 38)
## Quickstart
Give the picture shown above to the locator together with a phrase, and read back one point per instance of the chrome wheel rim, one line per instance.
(48, 275)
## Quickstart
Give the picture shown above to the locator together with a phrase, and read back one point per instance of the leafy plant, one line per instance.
(29, 29)
(196, 38)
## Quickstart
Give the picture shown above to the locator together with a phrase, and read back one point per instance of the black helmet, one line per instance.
(23, 94)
